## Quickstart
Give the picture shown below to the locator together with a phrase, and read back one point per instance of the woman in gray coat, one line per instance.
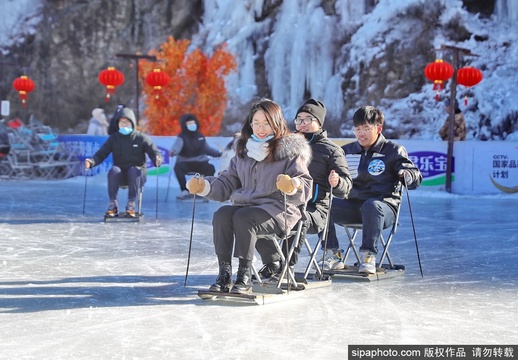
(270, 162)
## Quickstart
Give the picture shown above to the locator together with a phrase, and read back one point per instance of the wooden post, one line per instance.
(453, 92)
(137, 57)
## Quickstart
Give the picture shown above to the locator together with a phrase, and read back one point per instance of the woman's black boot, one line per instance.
(224, 281)
(243, 284)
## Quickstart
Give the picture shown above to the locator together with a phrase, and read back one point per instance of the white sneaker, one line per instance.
(368, 265)
(332, 260)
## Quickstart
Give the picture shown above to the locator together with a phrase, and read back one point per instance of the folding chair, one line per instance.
(296, 280)
(287, 273)
(138, 211)
(267, 292)
(312, 259)
(353, 229)
(21, 164)
(54, 161)
(313, 251)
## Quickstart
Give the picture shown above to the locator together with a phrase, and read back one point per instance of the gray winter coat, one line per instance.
(247, 182)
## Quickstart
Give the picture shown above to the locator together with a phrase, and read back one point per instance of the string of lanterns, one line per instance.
(111, 78)
(440, 71)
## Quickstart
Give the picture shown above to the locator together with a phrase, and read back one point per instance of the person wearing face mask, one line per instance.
(328, 168)
(269, 162)
(128, 147)
(192, 153)
(377, 166)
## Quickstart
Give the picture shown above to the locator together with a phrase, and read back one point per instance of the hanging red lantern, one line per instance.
(111, 78)
(439, 71)
(24, 85)
(157, 79)
(468, 76)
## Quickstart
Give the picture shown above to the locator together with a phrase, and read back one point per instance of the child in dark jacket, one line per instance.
(129, 148)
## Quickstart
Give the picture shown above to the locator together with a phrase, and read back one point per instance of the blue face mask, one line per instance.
(192, 127)
(126, 130)
(269, 137)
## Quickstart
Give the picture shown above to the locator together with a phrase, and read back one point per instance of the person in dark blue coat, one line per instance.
(377, 166)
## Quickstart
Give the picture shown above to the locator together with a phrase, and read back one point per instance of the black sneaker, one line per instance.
(270, 269)
(243, 284)
(224, 280)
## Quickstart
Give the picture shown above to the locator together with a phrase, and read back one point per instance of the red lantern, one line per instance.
(468, 76)
(439, 71)
(157, 79)
(24, 85)
(111, 78)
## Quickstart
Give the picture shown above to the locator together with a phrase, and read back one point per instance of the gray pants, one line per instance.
(244, 224)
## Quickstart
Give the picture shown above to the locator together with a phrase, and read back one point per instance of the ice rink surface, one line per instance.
(74, 287)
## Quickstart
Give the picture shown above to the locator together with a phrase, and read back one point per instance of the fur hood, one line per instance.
(294, 145)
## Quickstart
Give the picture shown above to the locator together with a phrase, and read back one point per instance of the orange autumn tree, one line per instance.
(197, 86)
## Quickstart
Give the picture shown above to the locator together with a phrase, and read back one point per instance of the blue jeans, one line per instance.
(133, 178)
(374, 215)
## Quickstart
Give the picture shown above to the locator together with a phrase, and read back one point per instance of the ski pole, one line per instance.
(84, 197)
(156, 196)
(413, 227)
(168, 183)
(169, 180)
(288, 280)
(326, 230)
(197, 176)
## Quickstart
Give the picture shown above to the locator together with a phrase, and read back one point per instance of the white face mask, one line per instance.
(192, 127)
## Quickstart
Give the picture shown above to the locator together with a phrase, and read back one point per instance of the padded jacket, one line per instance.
(247, 182)
(327, 156)
(375, 171)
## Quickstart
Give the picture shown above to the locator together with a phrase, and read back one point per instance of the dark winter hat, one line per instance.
(315, 108)
(130, 115)
(447, 103)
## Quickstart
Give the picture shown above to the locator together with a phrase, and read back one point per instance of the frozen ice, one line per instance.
(74, 287)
